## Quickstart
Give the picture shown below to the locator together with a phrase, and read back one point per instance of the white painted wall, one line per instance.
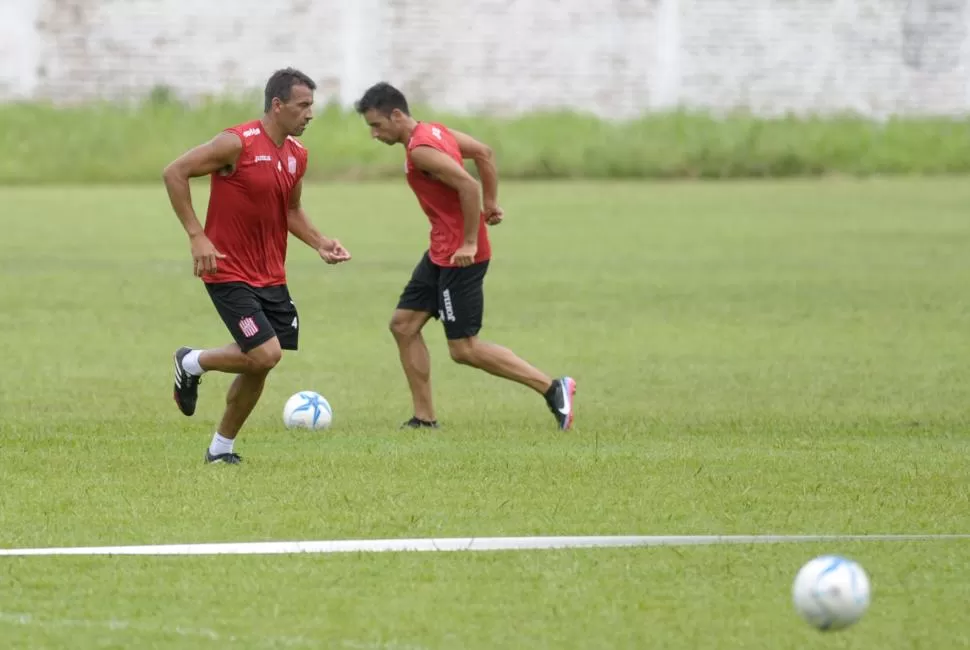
(20, 44)
(612, 57)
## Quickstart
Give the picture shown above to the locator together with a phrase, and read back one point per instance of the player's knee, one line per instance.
(265, 357)
(397, 328)
(463, 351)
(268, 362)
(402, 328)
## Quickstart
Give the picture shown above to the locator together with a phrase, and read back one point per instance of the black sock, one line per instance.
(551, 392)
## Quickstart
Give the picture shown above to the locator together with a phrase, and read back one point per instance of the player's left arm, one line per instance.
(303, 229)
(484, 159)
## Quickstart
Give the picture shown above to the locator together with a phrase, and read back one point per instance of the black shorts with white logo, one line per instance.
(254, 315)
(455, 296)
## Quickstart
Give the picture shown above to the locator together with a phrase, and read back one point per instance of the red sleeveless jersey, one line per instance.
(439, 201)
(246, 219)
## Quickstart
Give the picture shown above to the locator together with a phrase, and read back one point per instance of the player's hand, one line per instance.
(334, 253)
(204, 255)
(493, 215)
(465, 256)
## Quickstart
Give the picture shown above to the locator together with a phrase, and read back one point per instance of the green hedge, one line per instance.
(108, 143)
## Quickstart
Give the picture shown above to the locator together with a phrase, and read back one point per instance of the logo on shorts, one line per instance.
(449, 308)
(248, 327)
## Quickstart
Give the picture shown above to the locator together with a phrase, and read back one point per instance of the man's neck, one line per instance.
(409, 127)
(273, 130)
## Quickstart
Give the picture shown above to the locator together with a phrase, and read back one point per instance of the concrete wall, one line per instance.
(612, 57)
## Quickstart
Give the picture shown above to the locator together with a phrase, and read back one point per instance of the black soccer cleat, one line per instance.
(559, 397)
(186, 391)
(415, 423)
(229, 459)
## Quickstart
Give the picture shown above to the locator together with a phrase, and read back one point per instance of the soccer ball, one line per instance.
(831, 592)
(307, 410)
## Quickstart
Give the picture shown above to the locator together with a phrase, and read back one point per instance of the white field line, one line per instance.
(118, 626)
(462, 544)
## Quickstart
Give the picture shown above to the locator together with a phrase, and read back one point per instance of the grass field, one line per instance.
(752, 358)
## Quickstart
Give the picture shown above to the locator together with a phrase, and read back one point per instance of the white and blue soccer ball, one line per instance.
(307, 410)
(831, 592)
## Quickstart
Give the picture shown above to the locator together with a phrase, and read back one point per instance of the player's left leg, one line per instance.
(239, 307)
(497, 360)
(462, 302)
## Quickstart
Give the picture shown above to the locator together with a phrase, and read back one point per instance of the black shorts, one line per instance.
(254, 315)
(455, 296)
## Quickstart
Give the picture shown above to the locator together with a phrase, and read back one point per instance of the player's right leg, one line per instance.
(255, 352)
(417, 305)
(191, 364)
(241, 311)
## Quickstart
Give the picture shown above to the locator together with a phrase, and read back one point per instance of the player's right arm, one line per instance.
(217, 154)
(448, 171)
(484, 159)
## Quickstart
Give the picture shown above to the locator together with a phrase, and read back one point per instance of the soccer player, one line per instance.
(256, 173)
(447, 283)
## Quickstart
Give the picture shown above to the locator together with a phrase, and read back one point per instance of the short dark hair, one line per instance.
(384, 98)
(280, 85)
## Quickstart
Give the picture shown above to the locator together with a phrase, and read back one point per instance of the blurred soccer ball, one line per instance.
(831, 592)
(307, 410)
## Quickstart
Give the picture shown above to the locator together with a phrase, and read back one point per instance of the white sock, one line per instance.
(220, 445)
(190, 363)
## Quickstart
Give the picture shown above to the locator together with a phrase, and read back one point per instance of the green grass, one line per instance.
(112, 143)
(775, 357)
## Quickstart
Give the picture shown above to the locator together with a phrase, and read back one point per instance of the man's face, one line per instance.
(385, 128)
(295, 114)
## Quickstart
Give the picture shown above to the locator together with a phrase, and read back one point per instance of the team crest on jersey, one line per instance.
(291, 164)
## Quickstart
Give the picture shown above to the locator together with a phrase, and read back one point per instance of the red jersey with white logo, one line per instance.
(246, 219)
(441, 202)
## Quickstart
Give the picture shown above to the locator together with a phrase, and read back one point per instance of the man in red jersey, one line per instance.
(256, 173)
(447, 283)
